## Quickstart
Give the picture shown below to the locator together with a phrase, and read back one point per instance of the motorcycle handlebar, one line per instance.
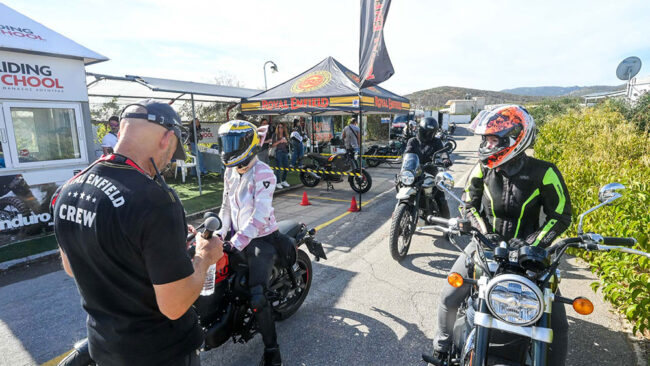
(437, 220)
(626, 242)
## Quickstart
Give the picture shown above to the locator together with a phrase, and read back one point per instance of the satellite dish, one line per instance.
(628, 68)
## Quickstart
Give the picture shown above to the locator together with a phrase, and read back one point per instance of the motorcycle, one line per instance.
(507, 317)
(394, 148)
(446, 138)
(346, 163)
(416, 192)
(226, 313)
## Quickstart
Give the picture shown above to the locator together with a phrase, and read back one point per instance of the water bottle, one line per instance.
(208, 285)
(212, 224)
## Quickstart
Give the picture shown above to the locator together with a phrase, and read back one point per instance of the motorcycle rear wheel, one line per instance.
(402, 227)
(288, 308)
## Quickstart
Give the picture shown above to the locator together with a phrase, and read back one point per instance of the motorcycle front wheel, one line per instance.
(361, 184)
(303, 270)
(402, 227)
(308, 179)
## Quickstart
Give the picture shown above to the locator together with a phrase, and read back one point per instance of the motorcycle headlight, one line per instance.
(407, 178)
(515, 299)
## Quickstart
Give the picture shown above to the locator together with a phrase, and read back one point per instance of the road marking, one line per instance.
(317, 198)
(337, 218)
(55, 361)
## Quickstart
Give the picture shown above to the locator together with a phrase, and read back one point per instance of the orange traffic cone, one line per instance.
(305, 200)
(353, 205)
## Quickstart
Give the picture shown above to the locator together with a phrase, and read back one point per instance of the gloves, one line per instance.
(446, 162)
(494, 238)
(516, 243)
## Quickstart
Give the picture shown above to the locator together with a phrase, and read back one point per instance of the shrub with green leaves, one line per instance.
(593, 147)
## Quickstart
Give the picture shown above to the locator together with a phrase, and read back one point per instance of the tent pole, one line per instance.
(311, 122)
(197, 167)
(360, 143)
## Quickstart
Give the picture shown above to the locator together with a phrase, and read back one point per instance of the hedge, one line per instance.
(593, 147)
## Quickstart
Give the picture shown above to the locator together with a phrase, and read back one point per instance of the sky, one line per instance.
(492, 45)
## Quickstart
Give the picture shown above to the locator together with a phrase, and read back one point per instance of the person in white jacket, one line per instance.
(249, 222)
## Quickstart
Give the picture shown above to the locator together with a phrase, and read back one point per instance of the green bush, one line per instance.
(549, 108)
(592, 147)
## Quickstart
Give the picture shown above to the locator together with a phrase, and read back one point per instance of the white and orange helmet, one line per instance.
(514, 127)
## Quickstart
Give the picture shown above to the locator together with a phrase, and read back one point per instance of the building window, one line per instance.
(45, 134)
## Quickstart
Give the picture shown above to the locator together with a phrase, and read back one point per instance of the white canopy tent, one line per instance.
(133, 88)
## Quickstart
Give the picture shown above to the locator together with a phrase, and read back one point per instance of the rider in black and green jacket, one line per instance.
(507, 192)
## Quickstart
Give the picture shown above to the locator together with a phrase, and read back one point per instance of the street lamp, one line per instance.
(274, 68)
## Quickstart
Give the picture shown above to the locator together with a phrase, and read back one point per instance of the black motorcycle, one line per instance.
(226, 314)
(446, 138)
(416, 191)
(327, 168)
(394, 148)
(506, 320)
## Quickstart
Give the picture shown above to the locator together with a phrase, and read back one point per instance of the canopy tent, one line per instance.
(140, 87)
(23, 34)
(327, 88)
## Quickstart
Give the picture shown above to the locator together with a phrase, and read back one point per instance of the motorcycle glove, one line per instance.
(516, 243)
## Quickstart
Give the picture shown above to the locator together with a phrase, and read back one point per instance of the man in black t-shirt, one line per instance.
(122, 235)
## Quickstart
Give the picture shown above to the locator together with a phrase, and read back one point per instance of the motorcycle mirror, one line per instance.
(608, 193)
(445, 179)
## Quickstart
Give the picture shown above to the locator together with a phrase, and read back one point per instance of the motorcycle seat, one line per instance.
(319, 158)
(289, 228)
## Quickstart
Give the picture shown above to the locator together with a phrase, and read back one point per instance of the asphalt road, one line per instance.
(363, 309)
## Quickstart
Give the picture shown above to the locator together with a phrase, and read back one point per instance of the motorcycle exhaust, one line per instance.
(220, 331)
(314, 175)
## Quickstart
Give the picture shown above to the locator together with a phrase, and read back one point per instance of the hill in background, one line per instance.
(437, 97)
(560, 91)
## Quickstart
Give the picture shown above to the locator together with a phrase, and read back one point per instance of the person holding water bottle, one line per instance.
(249, 222)
(122, 236)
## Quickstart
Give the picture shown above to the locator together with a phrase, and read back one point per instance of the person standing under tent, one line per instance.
(110, 139)
(297, 137)
(194, 148)
(263, 155)
(281, 145)
(352, 136)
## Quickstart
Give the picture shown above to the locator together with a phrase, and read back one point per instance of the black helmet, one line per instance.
(427, 129)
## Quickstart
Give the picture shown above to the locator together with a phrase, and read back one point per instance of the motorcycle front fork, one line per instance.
(481, 341)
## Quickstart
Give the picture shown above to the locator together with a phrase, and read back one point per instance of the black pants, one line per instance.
(261, 254)
(452, 297)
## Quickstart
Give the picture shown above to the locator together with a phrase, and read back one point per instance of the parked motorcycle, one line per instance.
(394, 148)
(335, 163)
(226, 314)
(446, 138)
(507, 317)
(416, 192)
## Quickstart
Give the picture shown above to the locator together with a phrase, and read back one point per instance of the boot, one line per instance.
(271, 357)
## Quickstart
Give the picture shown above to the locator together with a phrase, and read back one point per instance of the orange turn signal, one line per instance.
(583, 306)
(455, 280)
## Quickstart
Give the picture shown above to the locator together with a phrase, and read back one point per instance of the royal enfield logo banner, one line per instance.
(374, 62)
(312, 81)
(25, 76)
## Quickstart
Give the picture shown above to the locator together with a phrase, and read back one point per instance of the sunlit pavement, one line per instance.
(363, 308)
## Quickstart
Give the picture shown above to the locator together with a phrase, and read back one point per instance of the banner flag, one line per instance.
(374, 62)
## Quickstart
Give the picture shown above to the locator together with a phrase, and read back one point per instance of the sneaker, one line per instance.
(278, 186)
(285, 184)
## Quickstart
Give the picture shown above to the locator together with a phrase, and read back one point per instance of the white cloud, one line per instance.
(482, 44)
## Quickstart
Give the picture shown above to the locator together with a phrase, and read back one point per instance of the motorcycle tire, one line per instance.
(289, 308)
(307, 179)
(373, 163)
(361, 184)
(10, 207)
(402, 227)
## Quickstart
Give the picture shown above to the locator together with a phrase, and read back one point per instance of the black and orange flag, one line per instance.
(374, 62)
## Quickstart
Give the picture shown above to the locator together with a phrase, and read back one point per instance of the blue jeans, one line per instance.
(282, 161)
(297, 152)
(199, 160)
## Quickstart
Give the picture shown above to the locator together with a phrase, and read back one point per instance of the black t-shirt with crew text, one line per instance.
(123, 232)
